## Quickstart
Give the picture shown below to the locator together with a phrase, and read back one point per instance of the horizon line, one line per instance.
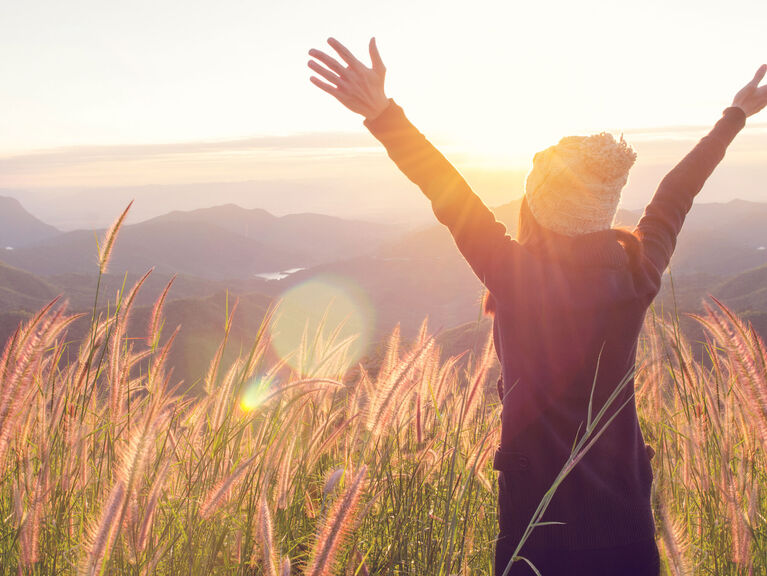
(342, 139)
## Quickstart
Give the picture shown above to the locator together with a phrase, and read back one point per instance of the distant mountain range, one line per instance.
(225, 242)
(406, 275)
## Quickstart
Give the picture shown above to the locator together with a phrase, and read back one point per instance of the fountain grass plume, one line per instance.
(155, 319)
(108, 242)
(335, 527)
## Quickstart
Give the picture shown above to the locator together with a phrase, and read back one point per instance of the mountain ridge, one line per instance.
(225, 241)
(18, 227)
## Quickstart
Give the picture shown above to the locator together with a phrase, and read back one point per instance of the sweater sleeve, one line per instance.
(481, 239)
(664, 215)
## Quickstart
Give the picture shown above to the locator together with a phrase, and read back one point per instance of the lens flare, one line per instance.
(324, 324)
(254, 394)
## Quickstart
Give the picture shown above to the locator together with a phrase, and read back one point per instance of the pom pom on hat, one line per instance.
(574, 187)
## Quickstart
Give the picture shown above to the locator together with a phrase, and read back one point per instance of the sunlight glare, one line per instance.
(321, 313)
(255, 394)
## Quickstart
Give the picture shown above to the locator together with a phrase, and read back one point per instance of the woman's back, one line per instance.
(570, 327)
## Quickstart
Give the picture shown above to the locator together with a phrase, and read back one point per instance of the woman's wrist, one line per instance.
(378, 109)
(737, 109)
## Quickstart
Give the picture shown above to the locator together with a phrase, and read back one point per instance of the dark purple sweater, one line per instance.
(555, 310)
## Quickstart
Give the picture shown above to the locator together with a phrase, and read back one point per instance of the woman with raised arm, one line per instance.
(568, 300)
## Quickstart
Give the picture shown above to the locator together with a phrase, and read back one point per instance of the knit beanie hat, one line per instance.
(574, 187)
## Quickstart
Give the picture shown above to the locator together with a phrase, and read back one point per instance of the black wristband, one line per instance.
(734, 110)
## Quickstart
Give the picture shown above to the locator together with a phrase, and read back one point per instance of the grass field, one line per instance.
(280, 469)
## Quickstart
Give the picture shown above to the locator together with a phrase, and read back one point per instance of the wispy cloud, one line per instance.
(271, 156)
(297, 143)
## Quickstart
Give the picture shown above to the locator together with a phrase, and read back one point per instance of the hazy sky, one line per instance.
(142, 93)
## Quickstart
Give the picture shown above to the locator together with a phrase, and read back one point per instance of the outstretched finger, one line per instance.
(375, 57)
(328, 61)
(345, 54)
(759, 76)
(325, 73)
(332, 90)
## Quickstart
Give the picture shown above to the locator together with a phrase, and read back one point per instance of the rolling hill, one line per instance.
(18, 227)
(315, 238)
(201, 250)
(21, 291)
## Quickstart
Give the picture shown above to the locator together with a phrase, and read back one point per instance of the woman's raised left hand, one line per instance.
(359, 88)
(752, 98)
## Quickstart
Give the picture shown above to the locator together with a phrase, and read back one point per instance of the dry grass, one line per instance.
(105, 469)
(707, 422)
